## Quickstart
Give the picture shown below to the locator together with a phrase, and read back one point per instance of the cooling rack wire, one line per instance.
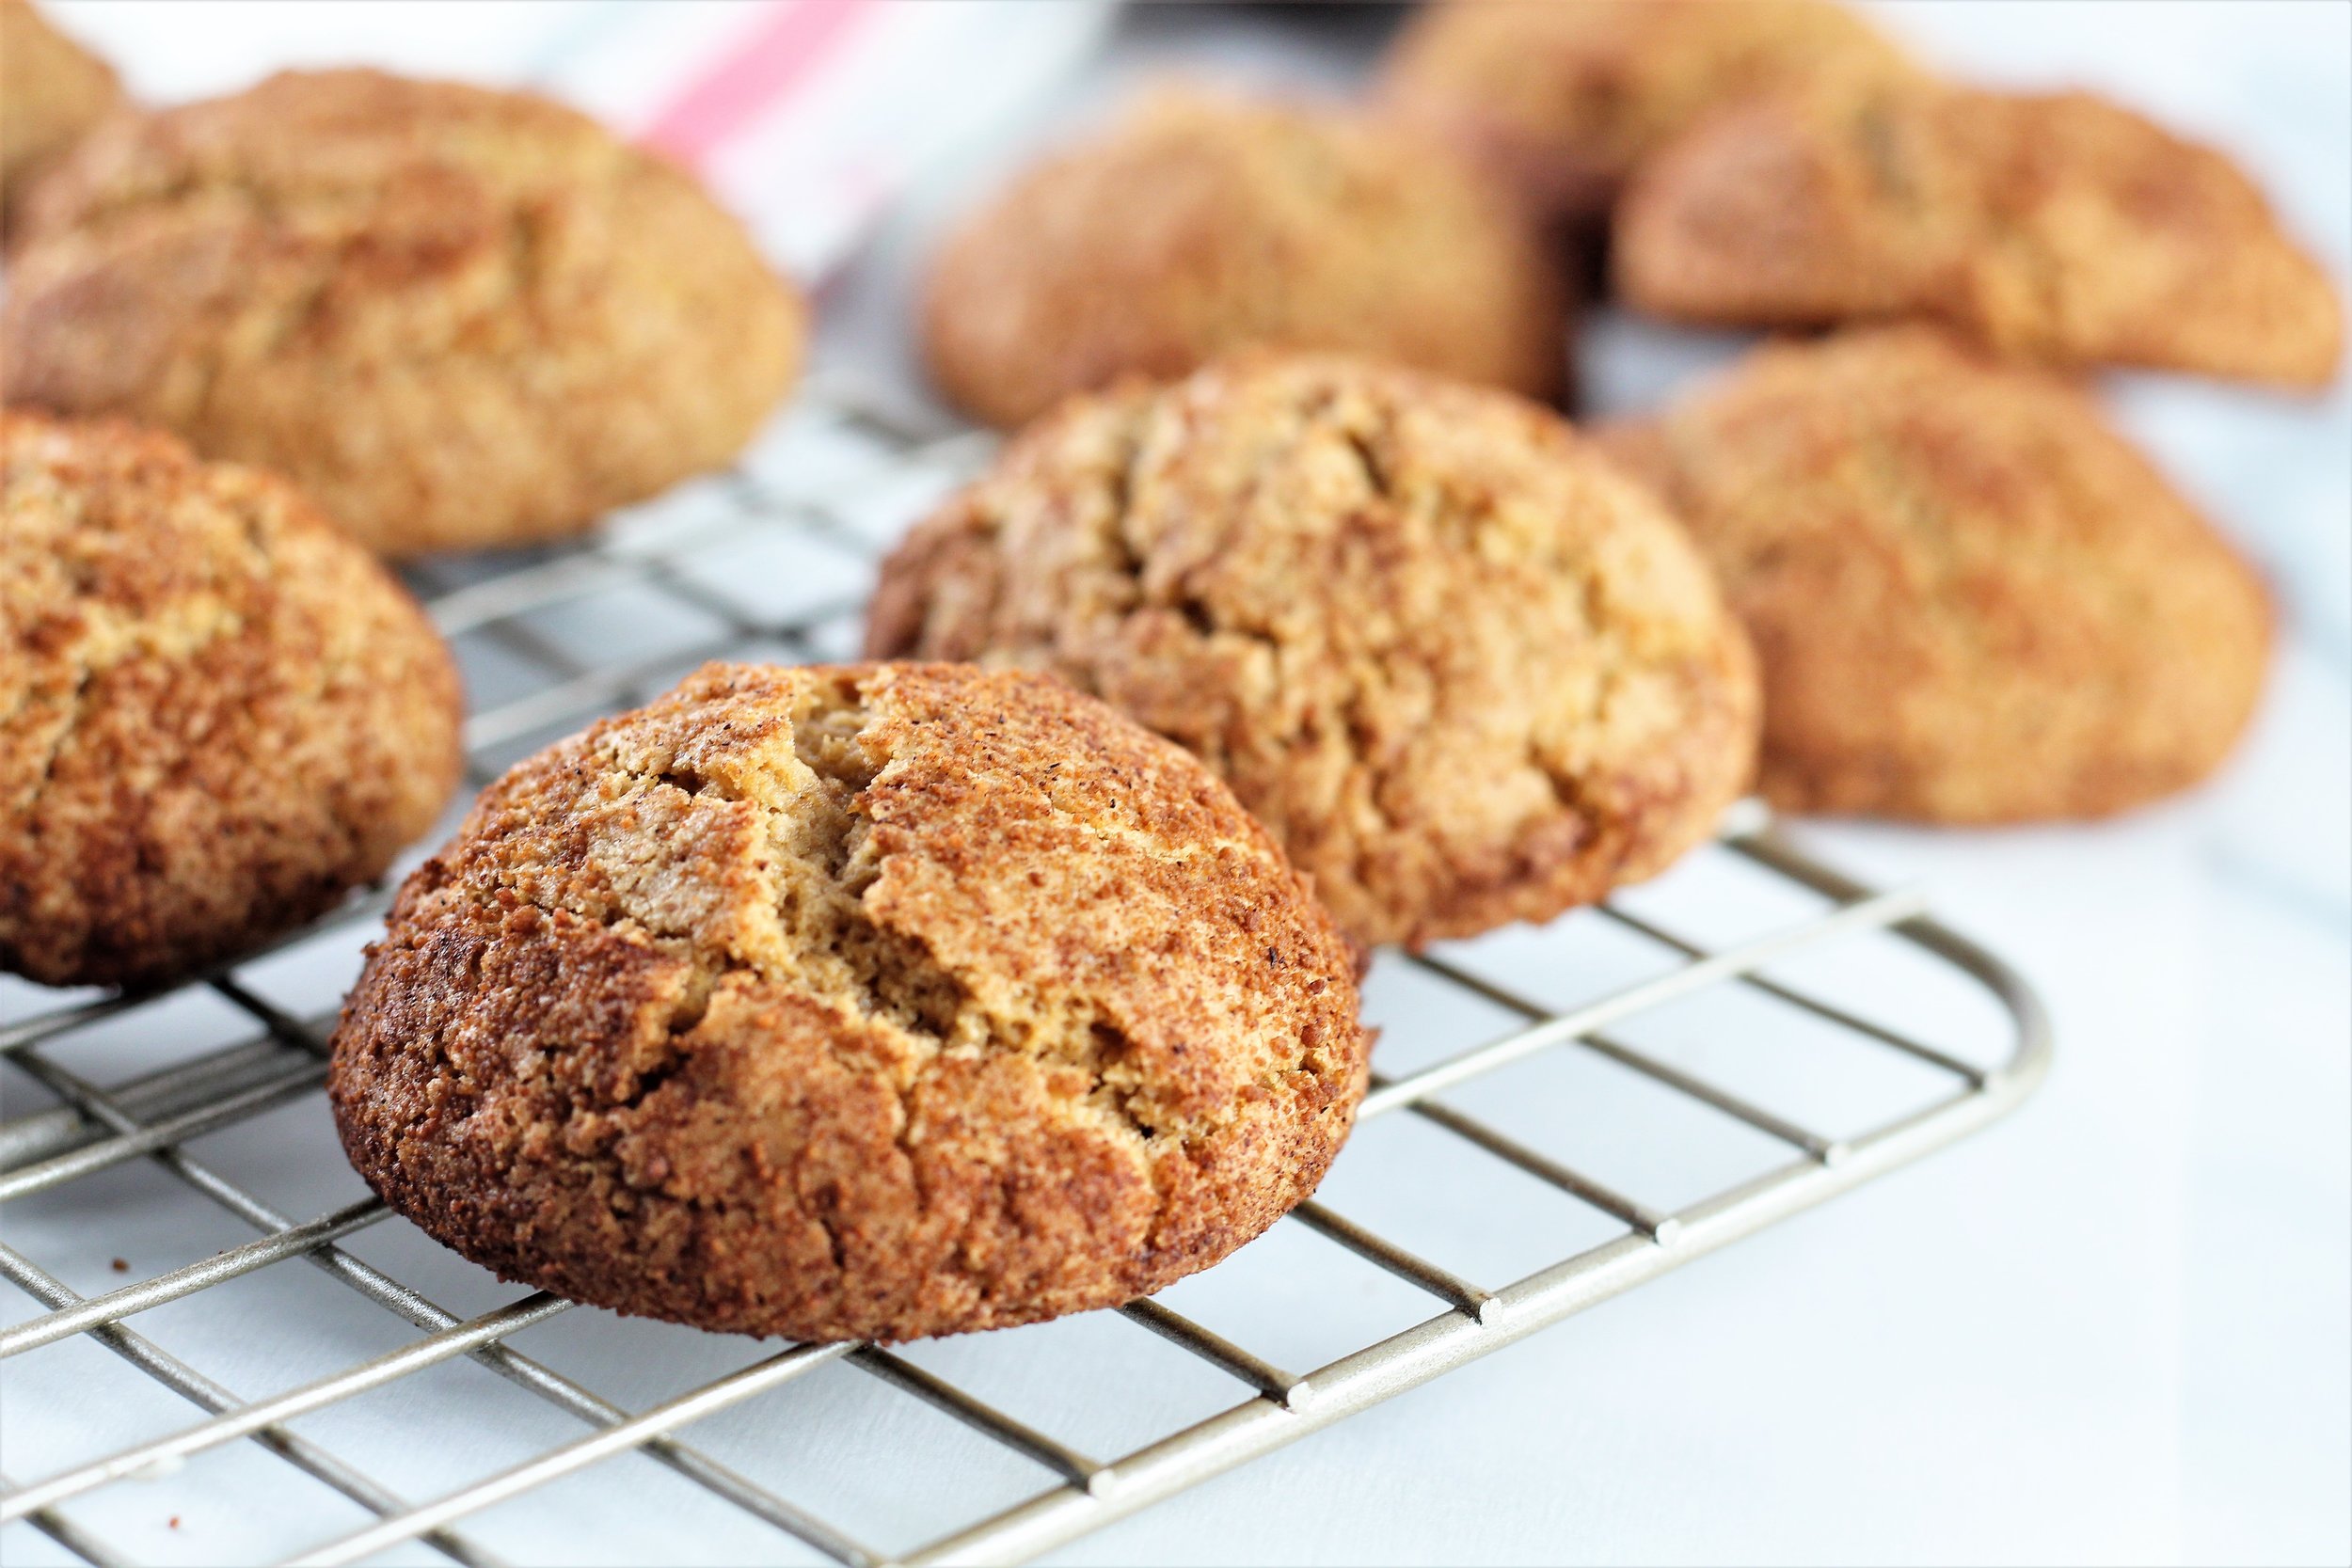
(1672, 1071)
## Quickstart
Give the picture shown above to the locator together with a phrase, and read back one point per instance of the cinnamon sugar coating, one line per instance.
(1563, 98)
(876, 1000)
(456, 317)
(2061, 227)
(1973, 600)
(1464, 670)
(1200, 224)
(218, 714)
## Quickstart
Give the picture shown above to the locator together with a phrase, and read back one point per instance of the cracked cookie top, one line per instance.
(456, 317)
(2057, 226)
(217, 713)
(1200, 224)
(868, 1002)
(1974, 601)
(1464, 670)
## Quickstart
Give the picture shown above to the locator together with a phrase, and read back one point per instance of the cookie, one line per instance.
(870, 1002)
(1973, 600)
(1563, 99)
(51, 91)
(1201, 224)
(1463, 670)
(457, 318)
(218, 714)
(2059, 228)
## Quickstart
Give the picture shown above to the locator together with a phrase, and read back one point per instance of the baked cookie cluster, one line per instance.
(1014, 973)
(1782, 164)
(1564, 100)
(2057, 229)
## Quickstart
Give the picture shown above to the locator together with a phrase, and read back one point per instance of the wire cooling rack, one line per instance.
(1574, 1110)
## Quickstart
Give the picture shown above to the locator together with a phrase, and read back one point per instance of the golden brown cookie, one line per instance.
(1561, 98)
(51, 91)
(1464, 670)
(456, 317)
(1973, 600)
(842, 1003)
(217, 713)
(1201, 224)
(2059, 228)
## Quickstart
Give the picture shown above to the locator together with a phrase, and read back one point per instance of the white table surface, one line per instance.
(2115, 1327)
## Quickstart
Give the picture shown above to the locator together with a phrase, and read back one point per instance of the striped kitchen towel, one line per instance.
(809, 116)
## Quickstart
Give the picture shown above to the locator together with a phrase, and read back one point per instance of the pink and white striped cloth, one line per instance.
(810, 116)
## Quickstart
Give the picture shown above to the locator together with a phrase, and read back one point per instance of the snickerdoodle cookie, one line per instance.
(1200, 224)
(1973, 600)
(2059, 228)
(457, 317)
(51, 91)
(1561, 98)
(1464, 670)
(867, 1002)
(217, 713)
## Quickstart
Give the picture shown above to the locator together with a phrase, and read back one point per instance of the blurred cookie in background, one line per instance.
(1561, 98)
(51, 91)
(218, 714)
(1463, 670)
(1199, 224)
(457, 317)
(2060, 227)
(1974, 601)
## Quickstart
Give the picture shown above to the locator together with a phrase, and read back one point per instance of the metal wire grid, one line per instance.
(550, 684)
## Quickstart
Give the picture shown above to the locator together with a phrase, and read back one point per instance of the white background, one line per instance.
(2112, 1328)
